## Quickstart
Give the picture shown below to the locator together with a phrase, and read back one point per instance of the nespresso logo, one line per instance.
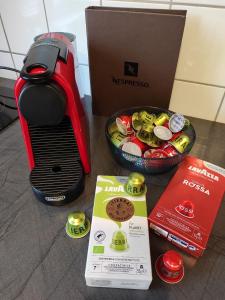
(134, 83)
(130, 68)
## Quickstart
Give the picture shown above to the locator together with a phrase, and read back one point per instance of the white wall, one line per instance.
(199, 87)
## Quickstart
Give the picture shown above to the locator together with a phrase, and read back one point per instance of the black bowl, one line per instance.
(147, 165)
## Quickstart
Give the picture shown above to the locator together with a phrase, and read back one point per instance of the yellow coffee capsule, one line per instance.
(135, 185)
(136, 121)
(77, 225)
(145, 133)
(118, 139)
(153, 141)
(146, 117)
(112, 128)
(161, 119)
(181, 142)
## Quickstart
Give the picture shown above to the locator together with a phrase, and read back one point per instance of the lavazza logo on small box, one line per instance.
(130, 69)
(204, 172)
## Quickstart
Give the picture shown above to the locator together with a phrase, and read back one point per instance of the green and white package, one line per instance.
(118, 252)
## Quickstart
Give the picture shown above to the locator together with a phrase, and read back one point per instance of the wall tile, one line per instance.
(221, 115)
(18, 60)
(3, 42)
(6, 60)
(202, 56)
(203, 2)
(83, 80)
(197, 100)
(23, 20)
(135, 4)
(69, 16)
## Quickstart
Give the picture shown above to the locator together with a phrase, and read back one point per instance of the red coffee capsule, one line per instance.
(170, 150)
(175, 135)
(159, 153)
(186, 209)
(140, 144)
(124, 124)
(169, 267)
(166, 124)
(148, 153)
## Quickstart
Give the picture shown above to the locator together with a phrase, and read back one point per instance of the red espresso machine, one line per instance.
(53, 120)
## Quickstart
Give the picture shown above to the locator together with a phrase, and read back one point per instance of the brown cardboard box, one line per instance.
(133, 56)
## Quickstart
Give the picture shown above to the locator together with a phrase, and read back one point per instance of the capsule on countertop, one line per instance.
(170, 267)
(77, 225)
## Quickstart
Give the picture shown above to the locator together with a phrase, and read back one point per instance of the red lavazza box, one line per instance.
(187, 209)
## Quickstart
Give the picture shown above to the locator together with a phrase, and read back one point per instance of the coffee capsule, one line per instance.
(119, 241)
(165, 124)
(135, 185)
(124, 124)
(112, 128)
(176, 123)
(154, 142)
(147, 118)
(77, 225)
(145, 134)
(186, 208)
(148, 153)
(158, 153)
(181, 142)
(161, 119)
(170, 150)
(163, 133)
(132, 148)
(140, 144)
(169, 267)
(136, 122)
(118, 139)
(175, 135)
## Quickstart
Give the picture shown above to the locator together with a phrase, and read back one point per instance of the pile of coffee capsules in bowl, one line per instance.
(148, 139)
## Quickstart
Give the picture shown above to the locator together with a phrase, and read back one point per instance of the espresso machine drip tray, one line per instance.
(58, 174)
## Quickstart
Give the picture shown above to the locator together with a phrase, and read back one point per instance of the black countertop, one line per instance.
(39, 261)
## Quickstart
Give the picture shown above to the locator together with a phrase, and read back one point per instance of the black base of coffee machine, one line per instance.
(58, 176)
